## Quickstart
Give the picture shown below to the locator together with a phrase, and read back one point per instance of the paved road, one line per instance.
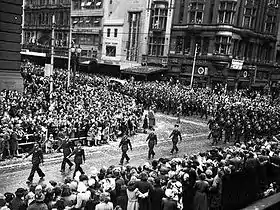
(194, 140)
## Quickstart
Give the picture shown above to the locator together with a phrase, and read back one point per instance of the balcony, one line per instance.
(87, 12)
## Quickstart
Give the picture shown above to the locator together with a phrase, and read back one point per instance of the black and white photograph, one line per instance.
(139, 104)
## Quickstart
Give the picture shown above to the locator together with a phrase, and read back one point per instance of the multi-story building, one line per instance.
(235, 39)
(38, 26)
(158, 31)
(123, 33)
(87, 21)
(10, 44)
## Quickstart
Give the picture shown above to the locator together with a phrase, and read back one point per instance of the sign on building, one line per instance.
(48, 70)
(236, 64)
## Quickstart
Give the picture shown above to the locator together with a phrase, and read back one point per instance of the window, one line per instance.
(87, 22)
(86, 39)
(111, 51)
(227, 11)
(111, 1)
(249, 17)
(270, 24)
(181, 12)
(205, 45)
(159, 16)
(87, 4)
(156, 46)
(108, 32)
(223, 45)
(196, 12)
(116, 32)
(179, 45)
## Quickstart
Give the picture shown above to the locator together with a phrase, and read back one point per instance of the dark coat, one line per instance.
(66, 148)
(175, 135)
(156, 198)
(152, 140)
(37, 156)
(125, 142)
(144, 186)
(169, 204)
(79, 155)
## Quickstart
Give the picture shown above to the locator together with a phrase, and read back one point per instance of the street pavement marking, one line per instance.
(183, 120)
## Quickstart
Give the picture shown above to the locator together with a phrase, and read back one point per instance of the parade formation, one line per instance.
(243, 128)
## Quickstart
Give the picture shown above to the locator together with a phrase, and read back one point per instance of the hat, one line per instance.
(39, 197)
(169, 193)
(20, 192)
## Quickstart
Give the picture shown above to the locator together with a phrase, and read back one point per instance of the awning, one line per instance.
(144, 70)
(228, 33)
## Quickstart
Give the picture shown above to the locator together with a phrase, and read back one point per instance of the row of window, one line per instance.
(224, 45)
(109, 32)
(60, 39)
(46, 2)
(45, 18)
(87, 4)
(227, 14)
(86, 22)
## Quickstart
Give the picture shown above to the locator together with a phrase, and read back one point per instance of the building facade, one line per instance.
(10, 44)
(235, 39)
(87, 22)
(38, 26)
(159, 18)
(124, 35)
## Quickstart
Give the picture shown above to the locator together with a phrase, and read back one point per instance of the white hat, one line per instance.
(169, 193)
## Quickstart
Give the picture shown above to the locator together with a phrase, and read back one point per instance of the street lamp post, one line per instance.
(75, 52)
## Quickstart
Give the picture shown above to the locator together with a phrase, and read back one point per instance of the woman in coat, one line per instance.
(201, 188)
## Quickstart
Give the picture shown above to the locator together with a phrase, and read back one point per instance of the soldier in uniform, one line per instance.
(228, 131)
(215, 133)
(79, 158)
(237, 132)
(152, 141)
(175, 135)
(37, 159)
(124, 144)
(66, 149)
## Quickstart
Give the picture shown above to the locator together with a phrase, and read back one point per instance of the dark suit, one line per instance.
(175, 135)
(156, 198)
(66, 147)
(78, 159)
(152, 141)
(125, 142)
(37, 158)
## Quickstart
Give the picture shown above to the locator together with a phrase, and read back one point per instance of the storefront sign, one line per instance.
(236, 64)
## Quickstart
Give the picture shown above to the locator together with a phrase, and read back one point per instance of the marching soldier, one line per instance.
(152, 141)
(37, 159)
(124, 144)
(66, 149)
(79, 158)
(175, 135)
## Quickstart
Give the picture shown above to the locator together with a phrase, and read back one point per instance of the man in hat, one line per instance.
(175, 136)
(39, 202)
(18, 202)
(152, 141)
(37, 158)
(124, 144)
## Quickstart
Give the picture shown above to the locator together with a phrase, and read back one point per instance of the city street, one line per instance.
(194, 132)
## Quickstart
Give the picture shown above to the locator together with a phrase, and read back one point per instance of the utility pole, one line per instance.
(69, 50)
(52, 57)
(193, 67)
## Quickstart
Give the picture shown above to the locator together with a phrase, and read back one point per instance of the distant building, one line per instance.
(124, 37)
(158, 31)
(10, 44)
(38, 25)
(87, 21)
(236, 41)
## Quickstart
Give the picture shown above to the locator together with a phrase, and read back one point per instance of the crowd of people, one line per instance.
(191, 182)
(88, 110)
(93, 110)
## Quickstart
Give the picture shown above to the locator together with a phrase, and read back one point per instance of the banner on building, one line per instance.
(48, 70)
(236, 64)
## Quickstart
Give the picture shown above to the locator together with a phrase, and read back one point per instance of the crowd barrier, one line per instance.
(243, 188)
